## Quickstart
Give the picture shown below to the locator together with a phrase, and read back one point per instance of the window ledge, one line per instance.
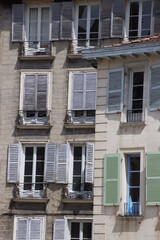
(31, 126)
(133, 124)
(68, 200)
(30, 200)
(84, 125)
(133, 217)
(37, 58)
(74, 56)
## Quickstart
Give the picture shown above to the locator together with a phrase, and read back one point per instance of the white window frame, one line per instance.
(81, 221)
(127, 14)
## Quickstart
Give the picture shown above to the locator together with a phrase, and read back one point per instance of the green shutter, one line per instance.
(153, 179)
(111, 179)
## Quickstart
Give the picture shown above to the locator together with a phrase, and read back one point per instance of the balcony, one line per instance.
(135, 115)
(132, 210)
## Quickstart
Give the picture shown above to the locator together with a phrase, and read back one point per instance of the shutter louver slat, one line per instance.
(118, 17)
(78, 92)
(35, 229)
(67, 20)
(13, 163)
(89, 163)
(105, 18)
(62, 163)
(21, 232)
(59, 229)
(56, 19)
(42, 92)
(50, 163)
(155, 88)
(17, 22)
(29, 93)
(91, 84)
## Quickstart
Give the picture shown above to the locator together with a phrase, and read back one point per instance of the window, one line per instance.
(80, 230)
(87, 24)
(139, 19)
(29, 228)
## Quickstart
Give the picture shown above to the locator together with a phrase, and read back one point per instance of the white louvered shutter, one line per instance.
(35, 229)
(78, 91)
(13, 163)
(155, 87)
(62, 163)
(91, 85)
(18, 22)
(29, 101)
(50, 162)
(115, 90)
(59, 229)
(90, 163)
(42, 92)
(22, 226)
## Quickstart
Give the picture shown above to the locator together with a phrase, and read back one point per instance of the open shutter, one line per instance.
(105, 18)
(153, 178)
(21, 231)
(13, 163)
(78, 91)
(67, 20)
(62, 163)
(29, 102)
(18, 22)
(35, 229)
(115, 90)
(118, 13)
(155, 87)
(89, 163)
(42, 92)
(91, 85)
(111, 179)
(56, 20)
(59, 229)
(156, 17)
(50, 162)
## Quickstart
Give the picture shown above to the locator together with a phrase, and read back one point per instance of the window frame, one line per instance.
(80, 221)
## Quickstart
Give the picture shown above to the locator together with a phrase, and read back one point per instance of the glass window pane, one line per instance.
(77, 153)
(138, 78)
(134, 193)
(28, 168)
(146, 22)
(94, 26)
(138, 92)
(77, 168)
(135, 163)
(82, 12)
(33, 24)
(40, 168)
(95, 11)
(147, 6)
(137, 104)
(75, 230)
(87, 231)
(134, 179)
(134, 8)
(40, 153)
(82, 26)
(29, 153)
(133, 25)
(77, 184)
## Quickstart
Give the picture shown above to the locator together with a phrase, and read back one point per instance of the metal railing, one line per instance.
(135, 115)
(78, 44)
(131, 210)
(78, 191)
(34, 117)
(31, 190)
(80, 116)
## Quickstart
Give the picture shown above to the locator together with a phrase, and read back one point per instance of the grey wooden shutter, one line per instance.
(59, 229)
(21, 230)
(89, 163)
(78, 91)
(13, 163)
(50, 162)
(42, 92)
(91, 85)
(118, 13)
(67, 20)
(62, 163)
(155, 87)
(29, 102)
(105, 18)
(18, 22)
(35, 229)
(156, 17)
(56, 20)
(115, 90)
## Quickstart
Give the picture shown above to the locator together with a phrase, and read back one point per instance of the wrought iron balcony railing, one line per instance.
(131, 209)
(34, 117)
(31, 190)
(78, 191)
(135, 115)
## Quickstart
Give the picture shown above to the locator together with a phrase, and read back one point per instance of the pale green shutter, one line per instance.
(153, 178)
(111, 179)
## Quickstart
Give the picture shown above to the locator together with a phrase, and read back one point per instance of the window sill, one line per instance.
(80, 201)
(133, 124)
(133, 217)
(79, 125)
(37, 58)
(74, 56)
(31, 126)
(31, 200)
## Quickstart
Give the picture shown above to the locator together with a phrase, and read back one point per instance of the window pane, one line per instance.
(138, 78)
(39, 183)
(33, 24)
(87, 231)
(146, 22)
(133, 25)
(40, 153)
(95, 11)
(134, 193)
(147, 7)
(94, 26)
(40, 168)
(77, 168)
(77, 153)
(75, 230)
(134, 179)
(134, 8)
(28, 168)
(137, 104)
(30, 114)
(82, 26)
(29, 153)
(77, 184)
(138, 92)
(134, 163)
(82, 12)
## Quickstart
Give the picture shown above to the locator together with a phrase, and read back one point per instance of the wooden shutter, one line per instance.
(18, 22)
(153, 178)
(156, 17)
(59, 229)
(35, 229)
(105, 18)
(91, 85)
(78, 91)
(155, 87)
(115, 90)
(50, 162)
(29, 102)
(89, 163)
(42, 92)
(67, 20)
(111, 179)
(62, 163)
(13, 163)
(56, 20)
(118, 13)
(21, 231)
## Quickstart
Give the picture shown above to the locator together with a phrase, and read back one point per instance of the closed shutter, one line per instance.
(118, 13)
(157, 17)
(18, 22)
(111, 179)
(91, 85)
(59, 229)
(35, 229)
(155, 87)
(153, 178)
(42, 92)
(78, 91)
(56, 19)
(21, 231)
(115, 90)
(105, 18)
(13, 163)
(29, 101)
(62, 163)
(89, 163)
(67, 20)
(50, 162)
